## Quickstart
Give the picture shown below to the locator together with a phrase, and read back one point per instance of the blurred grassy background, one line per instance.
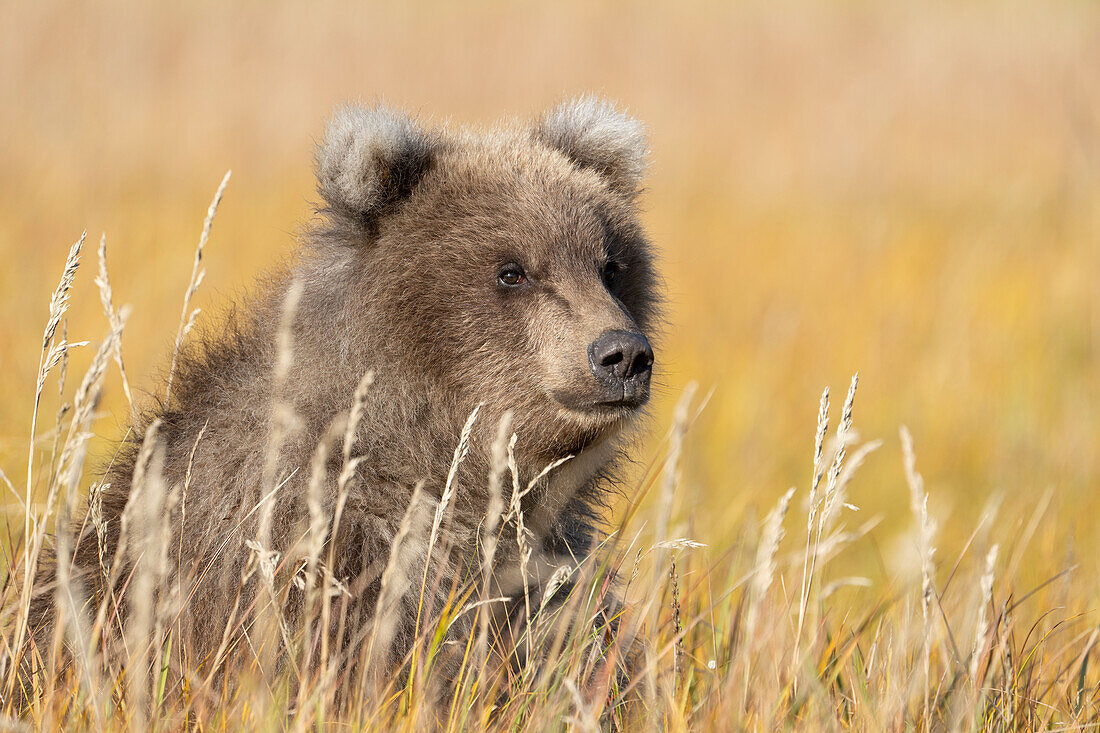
(910, 190)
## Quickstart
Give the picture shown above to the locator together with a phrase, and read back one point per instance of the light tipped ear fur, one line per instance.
(593, 134)
(370, 159)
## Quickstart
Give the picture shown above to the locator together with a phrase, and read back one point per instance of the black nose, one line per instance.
(621, 357)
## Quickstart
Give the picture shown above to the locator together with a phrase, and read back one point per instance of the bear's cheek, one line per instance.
(559, 349)
(482, 347)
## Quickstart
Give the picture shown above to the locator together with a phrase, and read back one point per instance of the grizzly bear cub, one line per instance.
(502, 270)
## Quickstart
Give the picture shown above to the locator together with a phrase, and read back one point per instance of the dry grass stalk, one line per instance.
(811, 514)
(270, 627)
(355, 418)
(63, 406)
(318, 522)
(833, 497)
(115, 318)
(99, 524)
(70, 595)
(329, 586)
(51, 355)
(488, 536)
(187, 316)
(981, 629)
(515, 514)
(677, 625)
(926, 530)
(763, 573)
(282, 413)
(317, 532)
(449, 489)
(670, 478)
(145, 516)
(824, 508)
(395, 583)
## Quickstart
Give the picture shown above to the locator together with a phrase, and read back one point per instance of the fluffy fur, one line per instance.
(370, 160)
(593, 134)
(400, 277)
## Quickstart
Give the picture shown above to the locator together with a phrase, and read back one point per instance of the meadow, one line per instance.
(910, 192)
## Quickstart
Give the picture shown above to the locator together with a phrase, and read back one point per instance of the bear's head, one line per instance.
(506, 267)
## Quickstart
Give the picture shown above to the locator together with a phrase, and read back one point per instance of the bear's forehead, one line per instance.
(514, 163)
(517, 183)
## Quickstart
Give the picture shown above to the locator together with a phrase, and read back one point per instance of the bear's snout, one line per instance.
(622, 361)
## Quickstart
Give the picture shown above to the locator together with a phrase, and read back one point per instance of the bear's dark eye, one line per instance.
(610, 273)
(511, 276)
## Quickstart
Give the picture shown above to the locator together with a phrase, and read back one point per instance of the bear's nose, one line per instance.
(621, 357)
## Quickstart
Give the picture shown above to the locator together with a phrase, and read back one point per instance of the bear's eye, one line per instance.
(511, 275)
(610, 273)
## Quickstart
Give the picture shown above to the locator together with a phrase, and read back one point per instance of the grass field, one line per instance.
(910, 191)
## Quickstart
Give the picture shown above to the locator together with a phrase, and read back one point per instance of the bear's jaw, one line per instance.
(584, 430)
(597, 417)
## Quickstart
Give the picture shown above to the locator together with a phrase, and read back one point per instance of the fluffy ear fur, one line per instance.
(593, 134)
(370, 160)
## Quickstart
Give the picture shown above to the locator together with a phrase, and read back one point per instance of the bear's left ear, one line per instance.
(370, 160)
(593, 134)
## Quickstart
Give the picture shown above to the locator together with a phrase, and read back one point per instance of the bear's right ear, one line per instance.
(370, 160)
(593, 134)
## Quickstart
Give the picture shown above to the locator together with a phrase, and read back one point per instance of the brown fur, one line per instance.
(399, 277)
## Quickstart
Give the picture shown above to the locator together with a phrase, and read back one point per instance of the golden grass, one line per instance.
(906, 190)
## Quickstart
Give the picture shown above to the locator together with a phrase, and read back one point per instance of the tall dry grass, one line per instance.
(762, 631)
